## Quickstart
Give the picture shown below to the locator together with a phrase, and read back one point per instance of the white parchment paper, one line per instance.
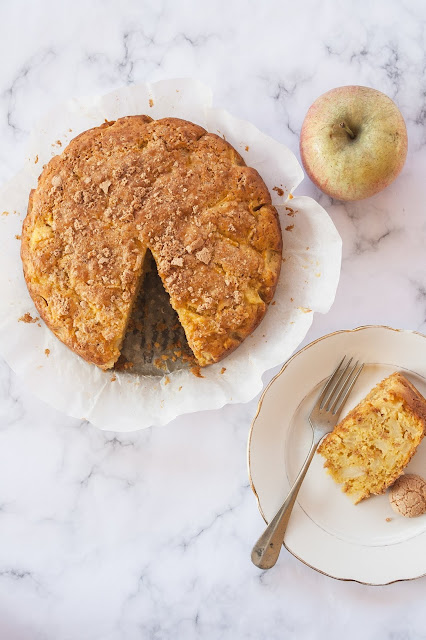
(308, 281)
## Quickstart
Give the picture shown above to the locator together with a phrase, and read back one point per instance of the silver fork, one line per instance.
(323, 418)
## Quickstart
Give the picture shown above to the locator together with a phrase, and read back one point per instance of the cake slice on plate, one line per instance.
(369, 449)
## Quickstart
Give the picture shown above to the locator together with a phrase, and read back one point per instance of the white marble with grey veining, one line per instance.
(148, 535)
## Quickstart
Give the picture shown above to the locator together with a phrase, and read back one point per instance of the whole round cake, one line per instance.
(137, 186)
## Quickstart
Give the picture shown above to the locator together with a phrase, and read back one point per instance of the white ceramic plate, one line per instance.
(326, 531)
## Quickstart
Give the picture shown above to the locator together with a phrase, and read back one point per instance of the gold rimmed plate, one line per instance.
(368, 542)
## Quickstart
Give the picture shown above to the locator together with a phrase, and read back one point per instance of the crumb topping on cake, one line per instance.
(168, 187)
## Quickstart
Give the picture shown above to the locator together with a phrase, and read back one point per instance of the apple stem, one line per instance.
(348, 131)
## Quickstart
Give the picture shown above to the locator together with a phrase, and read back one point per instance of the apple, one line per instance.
(353, 142)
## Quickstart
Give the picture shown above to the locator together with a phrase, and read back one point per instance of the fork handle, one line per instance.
(267, 549)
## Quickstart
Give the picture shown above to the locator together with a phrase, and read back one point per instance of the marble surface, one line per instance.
(148, 535)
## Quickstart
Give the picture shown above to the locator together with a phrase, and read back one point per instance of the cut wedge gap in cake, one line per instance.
(155, 341)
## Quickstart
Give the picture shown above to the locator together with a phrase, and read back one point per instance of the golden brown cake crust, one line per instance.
(413, 399)
(166, 186)
(395, 385)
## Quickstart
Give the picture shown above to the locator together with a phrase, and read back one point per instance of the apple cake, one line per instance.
(135, 187)
(369, 449)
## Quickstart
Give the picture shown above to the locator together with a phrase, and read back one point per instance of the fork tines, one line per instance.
(339, 385)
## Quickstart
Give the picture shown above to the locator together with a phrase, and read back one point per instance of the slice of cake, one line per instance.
(369, 449)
